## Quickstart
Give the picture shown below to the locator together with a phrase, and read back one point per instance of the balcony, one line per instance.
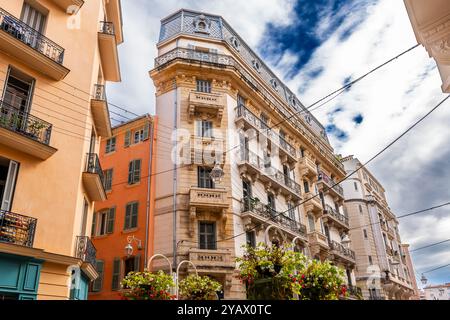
(24, 132)
(208, 103)
(22, 42)
(69, 6)
(256, 213)
(208, 198)
(313, 204)
(85, 250)
(326, 184)
(214, 261)
(93, 178)
(17, 229)
(259, 168)
(114, 14)
(333, 217)
(100, 112)
(108, 51)
(342, 254)
(391, 233)
(308, 168)
(318, 243)
(204, 150)
(246, 120)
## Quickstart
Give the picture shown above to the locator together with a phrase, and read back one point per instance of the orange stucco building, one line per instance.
(126, 217)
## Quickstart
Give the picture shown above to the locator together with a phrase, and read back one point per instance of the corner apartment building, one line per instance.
(126, 217)
(437, 292)
(382, 269)
(222, 100)
(55, 57)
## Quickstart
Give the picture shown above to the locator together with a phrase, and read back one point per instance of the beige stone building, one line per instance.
(430, 21)
(55, 57)
(382, 270)
(220, 96)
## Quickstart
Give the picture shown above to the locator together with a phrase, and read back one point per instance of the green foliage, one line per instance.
(195, 287)
(148, 286)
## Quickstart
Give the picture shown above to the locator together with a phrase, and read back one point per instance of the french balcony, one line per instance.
(69, 6)
(326, 184)
(245, 119)
(85, 250)
(335, 218)
(341, 253)
(254, 213)
(108, 51)
(215, 261)
(24, 132)
(204, 150)
(208, 103)
(93, 178)
(27, 45)
(313, 204)
(17, 229)
(259, 168)
(308, 168)
(100, 112)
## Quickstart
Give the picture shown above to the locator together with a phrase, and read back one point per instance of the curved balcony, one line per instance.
(93, 178)
(24, 132)
(313, 204)
(327, 184)
(254, 213)
(251, 163)
(333, 217)
(308, 168)
(31, 47)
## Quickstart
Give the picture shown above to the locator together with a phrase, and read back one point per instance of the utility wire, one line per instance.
(431, 270)
(430, 245)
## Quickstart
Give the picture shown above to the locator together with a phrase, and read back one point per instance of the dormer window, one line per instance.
(257, 65)
(274, 84)
(202, 24)
(235, 43)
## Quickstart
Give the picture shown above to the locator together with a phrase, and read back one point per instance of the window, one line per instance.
(108, 174)
(116, 274)
(356, 186)
(204, 86)
(251, 238)
(103, 217)
(110, 145)
(370, 260)
(312, 226)
(98, 283)
(131, 215)
(240, 100)
(134, 171)
(360, 209)
(306, 186)
(18, 91)
(33, 18)
(138, 136)
(106, 220)
(271, 204)
(204, 178)
(207, 235)
(132, 264)
(204, 128)
(302, 152)
(264, 121)
(365, 233)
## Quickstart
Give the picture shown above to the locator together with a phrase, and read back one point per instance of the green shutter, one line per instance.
(137, 262)
(116, 274)
(94, 220)
(134, 215)
(146, 130)
(137, 171)
(130, 172)
(110, 221)
(127, 216)
(98, 283)
(127, 138)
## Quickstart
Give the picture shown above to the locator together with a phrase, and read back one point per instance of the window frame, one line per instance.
(128, 223)
(206, 245)
(134, 175)
(203, 86)
(110, 146)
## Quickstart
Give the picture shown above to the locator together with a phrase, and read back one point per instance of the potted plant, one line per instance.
(195, 287)
(147, 286)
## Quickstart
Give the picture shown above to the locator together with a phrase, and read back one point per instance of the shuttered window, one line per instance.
(127, 140)
(110, 220)
(108, 174)
(110, 145)
(131, 215)
(98, 283)
(116, 274)
(134, 171)
(33, 18)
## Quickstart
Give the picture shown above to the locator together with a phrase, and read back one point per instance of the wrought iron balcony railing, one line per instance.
(339, 248)
(316, 139)
(31, 37)
(12, 118)
(266, 212)
(99, 92)
(337, 215)
(330, 183)
(17, 229)
(107, 27)
(247, 115)
(266, 169)
(85, 250)
(93, 165)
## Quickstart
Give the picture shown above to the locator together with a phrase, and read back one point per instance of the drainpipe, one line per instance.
(175, 172)
(147, 218)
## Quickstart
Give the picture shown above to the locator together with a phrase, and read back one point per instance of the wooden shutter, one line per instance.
(137, 171)
(10, 185)
(127, 216)
(111, 219)
(33, 18)
(134, 215)
(146, 130)
(94, 221)
(137, 262)
(130, 172)
(127, 138)
(98, 283)
(116, 274)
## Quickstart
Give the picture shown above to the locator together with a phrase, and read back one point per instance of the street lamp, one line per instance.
(423, 279)
(178, 270)
(346, 240)
(216, 174)
(129, 247)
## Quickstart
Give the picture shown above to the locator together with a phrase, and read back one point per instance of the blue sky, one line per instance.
(316, 47)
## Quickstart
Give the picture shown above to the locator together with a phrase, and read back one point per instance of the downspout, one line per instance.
(175, 172)
(147, 218)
